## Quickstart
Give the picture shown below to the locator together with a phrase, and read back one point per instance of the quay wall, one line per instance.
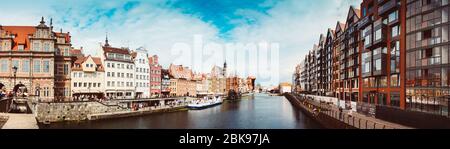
(329, 115)
(73, 111)
(324, 120)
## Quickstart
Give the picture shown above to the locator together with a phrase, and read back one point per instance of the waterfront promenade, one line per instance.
(19, 121)
(330, 115)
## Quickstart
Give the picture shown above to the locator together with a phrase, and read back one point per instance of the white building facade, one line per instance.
(119, 72)
(88, 78)
(142, 73)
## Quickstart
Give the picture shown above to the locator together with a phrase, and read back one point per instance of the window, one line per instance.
(427, 34)
(37, 66)
(395, 31)
(20, 47)
(66, 69)
(66, 52)
(395, 99)
(108, 74)
(36, 46)
(46, 47)
(382, 81)
(75, 84)
(378, 34)
(393, 16)
(377, 65)
(382, 99)
(395, 57)
(395, 80)
(26, 66)
(46, 67)
(4, 65)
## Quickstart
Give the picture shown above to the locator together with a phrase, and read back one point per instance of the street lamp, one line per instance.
(14, 72)
(38, 92)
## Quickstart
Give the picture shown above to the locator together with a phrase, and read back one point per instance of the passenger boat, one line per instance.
(205, 103)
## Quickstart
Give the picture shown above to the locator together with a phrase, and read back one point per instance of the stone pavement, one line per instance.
(20, 121)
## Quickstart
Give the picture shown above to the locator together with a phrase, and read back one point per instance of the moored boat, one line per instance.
(205, 103)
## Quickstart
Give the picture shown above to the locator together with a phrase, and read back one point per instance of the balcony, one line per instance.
(364, 21)
(387, 7)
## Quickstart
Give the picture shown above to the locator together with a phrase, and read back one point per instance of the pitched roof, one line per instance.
(81, 59)
(66, 36)
(109, 49)
(76, 52)
(21, 35)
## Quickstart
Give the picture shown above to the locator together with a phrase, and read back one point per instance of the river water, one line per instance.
(260, 112)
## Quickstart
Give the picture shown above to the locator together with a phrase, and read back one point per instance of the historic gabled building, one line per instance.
(142, 72)
(41, 59)
(88, 78)
(182, 82)
(119, 70)
(321, 77)
(349, 57)
(63, 65)
(327, 67)
(165, 83)
(338, 85)
(155, 76)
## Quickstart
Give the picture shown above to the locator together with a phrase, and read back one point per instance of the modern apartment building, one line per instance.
(392, 53)
(427, 55)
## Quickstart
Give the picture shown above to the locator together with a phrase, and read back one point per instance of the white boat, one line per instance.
(205, 103)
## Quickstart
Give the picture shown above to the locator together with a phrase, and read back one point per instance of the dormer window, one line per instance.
(21, 47)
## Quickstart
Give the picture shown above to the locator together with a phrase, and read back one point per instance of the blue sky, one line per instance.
(159, 24)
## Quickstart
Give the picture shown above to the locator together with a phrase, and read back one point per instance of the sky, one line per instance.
(161, 25)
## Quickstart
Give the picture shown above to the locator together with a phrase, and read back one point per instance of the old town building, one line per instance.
(88, 78)
(182, 83)
(33, 58)
(120, 70)
(142, 72)
(218, 80)
(155, 76)
(165, 83)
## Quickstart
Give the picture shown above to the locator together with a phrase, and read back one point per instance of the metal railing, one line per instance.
(350, 118)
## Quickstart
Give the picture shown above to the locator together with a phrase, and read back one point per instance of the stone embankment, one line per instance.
(329, 116)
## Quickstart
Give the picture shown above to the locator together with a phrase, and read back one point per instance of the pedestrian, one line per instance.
(340, 113)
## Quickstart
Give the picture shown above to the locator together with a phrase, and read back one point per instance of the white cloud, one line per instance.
(296, 26)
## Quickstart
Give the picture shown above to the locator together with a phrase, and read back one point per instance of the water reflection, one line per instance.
(259, 112)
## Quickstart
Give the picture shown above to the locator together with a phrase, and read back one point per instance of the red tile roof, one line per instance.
(64, 35)
(109, 49)
(76, 52)
(80, 60)
(21, 35)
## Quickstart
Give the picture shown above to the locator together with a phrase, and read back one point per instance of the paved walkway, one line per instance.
(20, 121)
(349, 116)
